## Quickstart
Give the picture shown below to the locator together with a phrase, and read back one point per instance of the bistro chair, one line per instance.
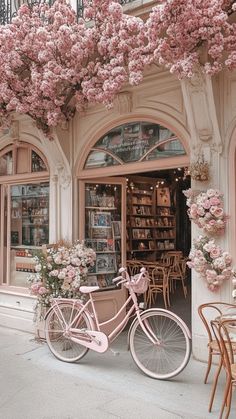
(207, 313)
(133, 267)
(223, 330)
(158, 285)
(177, 270)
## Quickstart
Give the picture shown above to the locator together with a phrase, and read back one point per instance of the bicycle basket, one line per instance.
(139, 285)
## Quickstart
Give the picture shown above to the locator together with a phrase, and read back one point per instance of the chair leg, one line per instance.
(184, 288)
(164, 297)
(208, 366)
(215, 384)
(226, 393)
(168, 296)
(229, 399)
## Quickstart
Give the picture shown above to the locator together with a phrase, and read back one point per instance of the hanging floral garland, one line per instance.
(208, 259)
(211, 262)
(206, 210)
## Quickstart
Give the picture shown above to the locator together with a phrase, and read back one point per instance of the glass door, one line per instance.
(102, 226)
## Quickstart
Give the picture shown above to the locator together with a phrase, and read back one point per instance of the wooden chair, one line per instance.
(222, 331)
(177, 270)
(207, 313)
(159, 285)
(134, 267)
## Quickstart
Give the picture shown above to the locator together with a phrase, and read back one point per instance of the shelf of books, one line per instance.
(151, 228)
(29, 228)
(103, 232)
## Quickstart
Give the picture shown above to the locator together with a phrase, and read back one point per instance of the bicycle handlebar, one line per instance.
(125, 278)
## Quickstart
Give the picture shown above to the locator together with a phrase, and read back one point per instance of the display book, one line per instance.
(151, 228)
(105, 239)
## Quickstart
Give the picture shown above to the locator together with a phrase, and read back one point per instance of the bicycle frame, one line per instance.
(95, 339)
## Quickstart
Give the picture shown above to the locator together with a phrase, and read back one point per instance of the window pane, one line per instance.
(29, 228)
(130, 142)
(99, 159)
(169, 149)
(38, 164)
(6, 164)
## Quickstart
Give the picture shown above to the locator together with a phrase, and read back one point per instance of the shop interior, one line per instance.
(159, 237)
(157, 234)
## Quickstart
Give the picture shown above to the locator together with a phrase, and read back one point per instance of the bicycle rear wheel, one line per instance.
(166, 359)
(60, 345)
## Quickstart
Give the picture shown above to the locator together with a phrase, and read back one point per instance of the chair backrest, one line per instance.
(159, 276)
(133, 267)
(221, 330)
(209, 311)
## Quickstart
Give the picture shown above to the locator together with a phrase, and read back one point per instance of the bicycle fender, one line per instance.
(153, 310)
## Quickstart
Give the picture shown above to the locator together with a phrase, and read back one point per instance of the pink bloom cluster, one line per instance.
(51, 64)
(209, 260)
(184, 34)
(60, 272)
(206, 210)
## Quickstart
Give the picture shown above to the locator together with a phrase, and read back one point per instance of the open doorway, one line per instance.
(157, 227)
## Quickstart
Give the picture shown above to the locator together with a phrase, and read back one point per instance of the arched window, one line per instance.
(134, 142)
(24, 211)
(21, 158)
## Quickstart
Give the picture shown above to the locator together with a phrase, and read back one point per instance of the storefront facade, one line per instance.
(202, 115)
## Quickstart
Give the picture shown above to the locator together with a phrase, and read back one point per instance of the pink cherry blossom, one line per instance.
(52, 65)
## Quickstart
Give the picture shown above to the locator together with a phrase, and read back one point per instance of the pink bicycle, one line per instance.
(159, 341)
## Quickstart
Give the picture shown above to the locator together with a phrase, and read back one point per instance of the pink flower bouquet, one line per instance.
(60, 271)
(206, 210)
(211, 262)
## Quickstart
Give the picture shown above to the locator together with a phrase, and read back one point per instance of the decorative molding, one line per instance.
(201, 113)
(123, 103)
(64, 177)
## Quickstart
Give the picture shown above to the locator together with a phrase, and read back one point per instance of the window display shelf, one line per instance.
(103, 231)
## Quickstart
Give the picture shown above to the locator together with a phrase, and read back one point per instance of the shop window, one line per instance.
(6, 164)
(134, 142)
(168, 149)
(100, 159)
(38, 164)
(21, 158)
(24, 205)
(29, 228)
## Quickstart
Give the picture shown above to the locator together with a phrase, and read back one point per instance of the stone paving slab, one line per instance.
(35, 385)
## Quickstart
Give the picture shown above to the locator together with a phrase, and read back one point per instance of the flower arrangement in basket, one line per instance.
(199, 170)
(206, 210)
(60, 271)
(211, 262)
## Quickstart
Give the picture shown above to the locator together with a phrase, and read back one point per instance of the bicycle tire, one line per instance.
(60, 345)
(168, 359)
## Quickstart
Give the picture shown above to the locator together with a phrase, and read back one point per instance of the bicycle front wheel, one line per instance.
(58, 342)
(170, 355)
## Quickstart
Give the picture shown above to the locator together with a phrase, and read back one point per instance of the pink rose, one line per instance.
(215, 252)
(42, 290)
(214, 201)
(206, 204)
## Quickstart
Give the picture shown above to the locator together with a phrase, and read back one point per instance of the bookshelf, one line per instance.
(151, 224)
(103, 232)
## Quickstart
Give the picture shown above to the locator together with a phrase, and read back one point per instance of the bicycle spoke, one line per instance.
(169, 355)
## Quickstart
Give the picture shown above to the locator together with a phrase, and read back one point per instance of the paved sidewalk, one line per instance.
(35, 385)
